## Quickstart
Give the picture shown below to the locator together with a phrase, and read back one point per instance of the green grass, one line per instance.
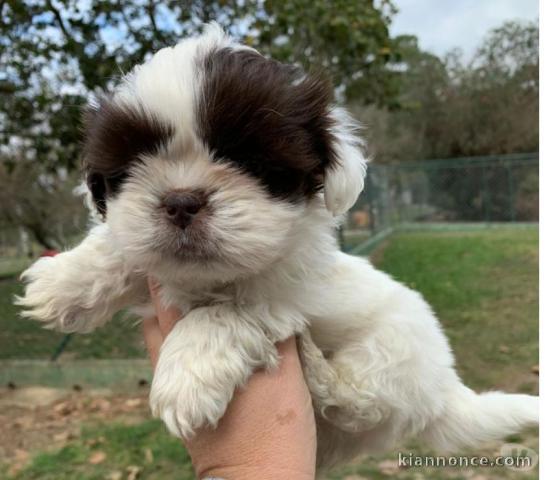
(12, 266)
(145, 445)
(353, 239)
(23, 338)
(483, 286)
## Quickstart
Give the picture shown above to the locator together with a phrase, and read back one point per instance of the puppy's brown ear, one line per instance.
(344, 178)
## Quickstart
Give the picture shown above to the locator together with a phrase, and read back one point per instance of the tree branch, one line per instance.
(60, 21)
(150, 9)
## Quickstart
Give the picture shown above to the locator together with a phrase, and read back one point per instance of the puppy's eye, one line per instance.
(113, 183)
(103, 187)
(97, 186)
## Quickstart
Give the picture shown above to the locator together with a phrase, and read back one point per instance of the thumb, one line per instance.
(166, 317)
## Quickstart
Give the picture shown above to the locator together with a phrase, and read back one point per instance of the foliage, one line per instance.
(56, 52)
(452, 109)
(41, 202)
(349, 39)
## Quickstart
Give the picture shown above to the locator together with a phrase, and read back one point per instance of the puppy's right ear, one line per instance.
(344, 178)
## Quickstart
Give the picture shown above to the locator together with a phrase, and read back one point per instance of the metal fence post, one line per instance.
(486, 196)
(512, 211)
(340, 236)
(371, 202)
(387, 206)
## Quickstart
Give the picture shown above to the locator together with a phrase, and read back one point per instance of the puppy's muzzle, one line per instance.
(182, 207)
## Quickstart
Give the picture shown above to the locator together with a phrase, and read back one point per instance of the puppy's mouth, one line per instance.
(191, 245)
(194, 243)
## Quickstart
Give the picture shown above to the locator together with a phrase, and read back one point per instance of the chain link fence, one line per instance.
(502, 188)
(478, 190)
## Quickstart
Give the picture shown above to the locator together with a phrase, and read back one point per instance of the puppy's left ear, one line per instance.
(345, 176)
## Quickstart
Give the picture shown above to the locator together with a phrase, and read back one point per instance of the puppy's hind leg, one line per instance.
(335, 395)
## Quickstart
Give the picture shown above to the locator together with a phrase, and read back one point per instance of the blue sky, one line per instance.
(445, 24)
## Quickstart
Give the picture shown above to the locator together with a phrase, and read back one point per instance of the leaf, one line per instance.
(97, 457)
(134, 471)
(148, 454)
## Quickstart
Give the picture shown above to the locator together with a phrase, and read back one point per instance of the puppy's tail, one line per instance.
(471, 420)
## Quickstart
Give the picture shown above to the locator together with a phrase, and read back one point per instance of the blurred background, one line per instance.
(448, 94)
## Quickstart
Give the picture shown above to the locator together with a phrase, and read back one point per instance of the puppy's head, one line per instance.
(209, 155)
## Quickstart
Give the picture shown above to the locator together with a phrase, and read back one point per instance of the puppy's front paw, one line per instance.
(59, 296)
(205, 357)
(183, 401)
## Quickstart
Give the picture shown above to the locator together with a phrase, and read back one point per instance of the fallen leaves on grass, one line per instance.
(148, 455)
(100, 405)
(134, 471)
(388, 467)
(133, 403)
(97, 457)
(31, 425)
(20, 459)
(64, 408)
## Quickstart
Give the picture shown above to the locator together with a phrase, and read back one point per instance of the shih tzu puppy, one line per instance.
(221, 173)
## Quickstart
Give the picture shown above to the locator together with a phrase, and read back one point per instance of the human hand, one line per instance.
(268, 430)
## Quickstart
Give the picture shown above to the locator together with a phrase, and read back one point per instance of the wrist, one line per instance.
(272, 462)
(263, 472)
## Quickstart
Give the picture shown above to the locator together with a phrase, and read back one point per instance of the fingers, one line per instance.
(153, 338)
(155, 329)
(168, 317)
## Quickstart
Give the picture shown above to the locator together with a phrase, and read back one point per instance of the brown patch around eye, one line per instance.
(115, 136)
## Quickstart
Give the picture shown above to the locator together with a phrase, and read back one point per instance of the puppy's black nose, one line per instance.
(182, 207)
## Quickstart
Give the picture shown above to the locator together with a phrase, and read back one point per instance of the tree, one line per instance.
(349, 39)
(41, 203)
(56, 52)
(448, 108)
(405, 132)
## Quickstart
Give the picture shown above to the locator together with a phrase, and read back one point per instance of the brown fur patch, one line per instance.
(267, 119)
(115, 137)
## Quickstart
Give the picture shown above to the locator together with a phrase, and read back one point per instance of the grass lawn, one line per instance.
(23, 338)
(483, 286)
(113, 451)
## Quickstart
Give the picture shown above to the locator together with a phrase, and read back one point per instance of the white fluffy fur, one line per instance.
(344, 183)
(377, 363)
